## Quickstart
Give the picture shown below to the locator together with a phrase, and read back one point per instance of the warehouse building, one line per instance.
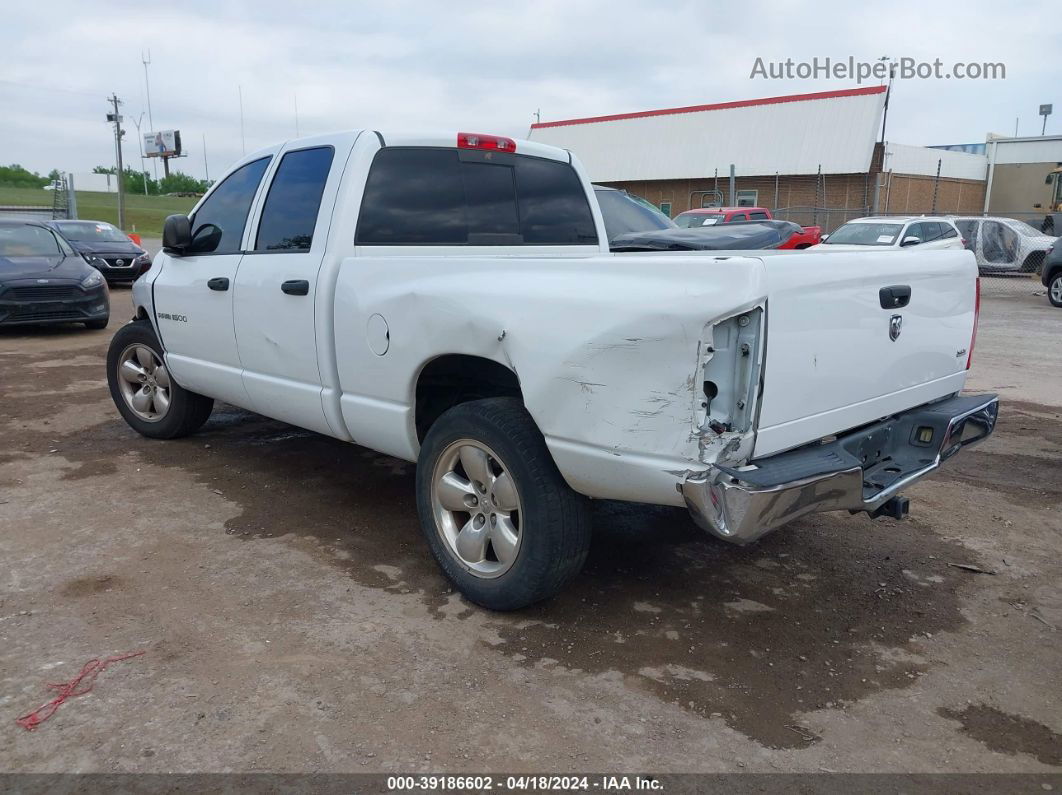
(813, 158)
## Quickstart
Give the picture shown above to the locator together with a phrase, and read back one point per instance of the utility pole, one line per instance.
(146, 60)
(206, 167)
(888, 94)
(117, 119)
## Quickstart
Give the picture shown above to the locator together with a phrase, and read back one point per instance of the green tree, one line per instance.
(15, 176)
(177, 182)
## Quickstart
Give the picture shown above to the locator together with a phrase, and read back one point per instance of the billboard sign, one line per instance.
(164, 143)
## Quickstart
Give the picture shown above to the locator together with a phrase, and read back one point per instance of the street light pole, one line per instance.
(140, 146)
(146, 60)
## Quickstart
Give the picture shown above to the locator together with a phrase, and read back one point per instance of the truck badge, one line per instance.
(895, 327)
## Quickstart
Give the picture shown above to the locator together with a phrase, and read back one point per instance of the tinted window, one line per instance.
(932, 230)
(290, 212)
(227, 207)
(553, 206)
(414, 197)
(437, 197)
(623, 214)
(915, 230)
(948, 230)
(490, 204)
(758, 216)
(737, 217)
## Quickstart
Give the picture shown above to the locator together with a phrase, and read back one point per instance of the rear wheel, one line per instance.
(502, 523)
(1054, 289)
(147, 397)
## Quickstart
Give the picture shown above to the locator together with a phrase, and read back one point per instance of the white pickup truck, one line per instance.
(452, 300)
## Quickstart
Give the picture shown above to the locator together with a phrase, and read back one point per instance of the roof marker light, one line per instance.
(493, 143)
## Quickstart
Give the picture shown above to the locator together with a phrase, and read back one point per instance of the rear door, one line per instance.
(277, 286)
(193, 293)
(840, 354)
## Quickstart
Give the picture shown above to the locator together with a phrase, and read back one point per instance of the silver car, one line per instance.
(1004, 244)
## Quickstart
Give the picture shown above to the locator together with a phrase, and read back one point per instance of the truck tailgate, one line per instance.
(834, 358)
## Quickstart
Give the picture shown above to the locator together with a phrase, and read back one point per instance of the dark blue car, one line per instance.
(44, 280)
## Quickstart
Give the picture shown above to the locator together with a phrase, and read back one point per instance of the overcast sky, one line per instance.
(483, 67)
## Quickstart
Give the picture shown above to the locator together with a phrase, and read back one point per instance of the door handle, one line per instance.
(894, 297)
(218, 283)
(296, 287)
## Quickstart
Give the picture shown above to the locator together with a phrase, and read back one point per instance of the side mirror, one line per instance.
(205, 239)
(176, 234)
(910, 240)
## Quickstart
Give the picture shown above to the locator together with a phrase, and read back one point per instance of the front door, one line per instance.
(193, 292)
(276, 289)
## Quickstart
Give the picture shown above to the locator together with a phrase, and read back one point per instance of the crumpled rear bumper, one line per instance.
(856, 472)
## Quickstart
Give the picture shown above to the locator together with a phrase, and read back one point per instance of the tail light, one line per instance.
(494, 143)
(977, 315)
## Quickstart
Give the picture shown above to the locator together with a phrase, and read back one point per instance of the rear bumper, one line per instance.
(856, 472)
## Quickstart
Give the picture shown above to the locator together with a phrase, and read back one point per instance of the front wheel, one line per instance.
(147, 397)
(502, 523)
(1054, 290)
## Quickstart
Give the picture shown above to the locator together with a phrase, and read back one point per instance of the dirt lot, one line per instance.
(293, 620)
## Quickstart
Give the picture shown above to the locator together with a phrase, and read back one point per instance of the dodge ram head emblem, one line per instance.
(895, 327)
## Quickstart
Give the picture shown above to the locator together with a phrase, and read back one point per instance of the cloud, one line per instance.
(488, 67)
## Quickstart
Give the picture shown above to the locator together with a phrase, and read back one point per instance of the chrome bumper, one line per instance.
(859, 471)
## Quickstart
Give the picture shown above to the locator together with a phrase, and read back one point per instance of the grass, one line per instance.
(143, 214)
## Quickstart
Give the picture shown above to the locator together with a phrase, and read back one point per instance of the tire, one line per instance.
(1054, 289)
(185, 411)
(96, 325)
(553, 521)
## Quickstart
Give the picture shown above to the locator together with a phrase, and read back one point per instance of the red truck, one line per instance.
(711, 216)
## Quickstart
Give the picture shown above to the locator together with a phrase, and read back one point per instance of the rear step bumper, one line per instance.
(859, 471)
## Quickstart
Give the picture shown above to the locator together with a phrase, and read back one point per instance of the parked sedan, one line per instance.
(923, 232)
(43, 280)
(106, 248)
(1003, 244)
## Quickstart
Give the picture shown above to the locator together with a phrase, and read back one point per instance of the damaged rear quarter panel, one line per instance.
(606, 348)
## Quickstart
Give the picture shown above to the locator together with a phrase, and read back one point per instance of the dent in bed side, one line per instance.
(606, 352)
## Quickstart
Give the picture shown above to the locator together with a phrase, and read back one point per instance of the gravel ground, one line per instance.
(293, 621)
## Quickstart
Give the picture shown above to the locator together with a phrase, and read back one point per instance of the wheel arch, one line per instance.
(450, 379)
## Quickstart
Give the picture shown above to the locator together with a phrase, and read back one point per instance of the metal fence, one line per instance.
(63, 205)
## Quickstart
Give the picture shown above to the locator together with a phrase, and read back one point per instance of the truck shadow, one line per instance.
(816, 616)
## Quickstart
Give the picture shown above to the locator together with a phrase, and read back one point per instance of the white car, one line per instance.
(452, 300)
(1004, 244)
(890, 232)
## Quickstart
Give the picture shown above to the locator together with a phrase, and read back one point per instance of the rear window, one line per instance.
(426, 196)
(698, 219)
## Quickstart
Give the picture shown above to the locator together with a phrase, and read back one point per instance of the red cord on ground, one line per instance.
(78, 686)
